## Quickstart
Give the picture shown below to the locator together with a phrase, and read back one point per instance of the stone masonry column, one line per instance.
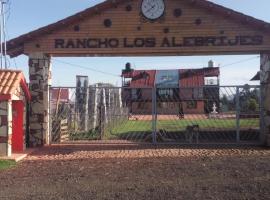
(265, 85)
(39, 77)
(5, 128)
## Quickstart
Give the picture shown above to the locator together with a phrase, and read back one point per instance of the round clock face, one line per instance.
(153, 9)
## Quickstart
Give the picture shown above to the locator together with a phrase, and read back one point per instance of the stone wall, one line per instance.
(265, 84)
(6, 122)
(5, 128)
(39, 76)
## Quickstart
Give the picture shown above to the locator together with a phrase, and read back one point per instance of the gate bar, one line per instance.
(237, 115)
(154, 116)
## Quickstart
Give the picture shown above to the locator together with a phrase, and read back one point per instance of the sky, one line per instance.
(27, 15)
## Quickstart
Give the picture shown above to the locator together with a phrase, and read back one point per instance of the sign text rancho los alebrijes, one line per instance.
(151, 42)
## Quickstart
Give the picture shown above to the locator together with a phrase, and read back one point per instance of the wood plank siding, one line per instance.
(198, 31)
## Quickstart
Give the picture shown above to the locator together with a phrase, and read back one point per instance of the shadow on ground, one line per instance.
(74, 147)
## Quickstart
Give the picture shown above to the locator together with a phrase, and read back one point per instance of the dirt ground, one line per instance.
(114, 171)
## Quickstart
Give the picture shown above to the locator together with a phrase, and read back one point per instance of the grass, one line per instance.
(120, 128)
(90, 135)
(180, 125)
(6, 164)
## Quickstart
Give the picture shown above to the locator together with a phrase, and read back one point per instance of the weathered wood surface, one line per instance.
(132, 26)
(64, 133)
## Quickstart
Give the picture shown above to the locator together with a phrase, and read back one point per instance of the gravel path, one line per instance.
(116, 171)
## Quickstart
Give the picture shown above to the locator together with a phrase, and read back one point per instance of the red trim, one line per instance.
(19, 80)
(5, 97)
(25, 88)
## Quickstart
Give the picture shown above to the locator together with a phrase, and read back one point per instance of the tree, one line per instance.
(253, 105)
(249, 100)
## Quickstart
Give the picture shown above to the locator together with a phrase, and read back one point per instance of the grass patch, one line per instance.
(6, 164)
(180, 125)
(90, 135)
(124, 128)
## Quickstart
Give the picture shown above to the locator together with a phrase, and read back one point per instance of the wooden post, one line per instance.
(101, 121)
(58, 101)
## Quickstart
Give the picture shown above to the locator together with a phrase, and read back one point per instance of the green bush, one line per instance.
(89, 135)
(253, 105)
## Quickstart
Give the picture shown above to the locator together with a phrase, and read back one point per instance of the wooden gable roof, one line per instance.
(16, 47)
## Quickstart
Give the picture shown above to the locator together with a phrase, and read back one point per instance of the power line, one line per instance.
(86, 68)
(3, 38)
(15, 63)
(8, 11)
(240, 61)
(107, 73)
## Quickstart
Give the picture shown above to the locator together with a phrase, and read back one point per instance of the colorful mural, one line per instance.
(167, 78)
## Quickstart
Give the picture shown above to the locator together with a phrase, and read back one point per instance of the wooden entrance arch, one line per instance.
(120, 28)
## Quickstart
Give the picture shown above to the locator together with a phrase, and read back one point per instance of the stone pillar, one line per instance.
(265, 95)
(39, 77)
(5, 128)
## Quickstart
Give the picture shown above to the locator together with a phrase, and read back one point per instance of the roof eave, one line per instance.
(226, 12)
(19, 41)
(25, 89)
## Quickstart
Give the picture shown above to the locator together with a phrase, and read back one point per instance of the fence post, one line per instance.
(50, 117)
(237, 115)
(86, 107)
(262, 125)
(154, 116)
(101, 121)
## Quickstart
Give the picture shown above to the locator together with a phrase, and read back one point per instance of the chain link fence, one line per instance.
(209, 114)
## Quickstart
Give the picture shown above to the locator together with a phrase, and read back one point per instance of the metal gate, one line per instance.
(209, 114)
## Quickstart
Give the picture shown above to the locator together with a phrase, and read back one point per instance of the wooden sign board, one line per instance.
(123, 30)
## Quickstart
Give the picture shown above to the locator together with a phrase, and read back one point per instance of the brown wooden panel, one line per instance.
(132, 35)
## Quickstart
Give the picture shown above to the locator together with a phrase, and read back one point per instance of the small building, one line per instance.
(179, 91)
(59, 96)
(14, 95)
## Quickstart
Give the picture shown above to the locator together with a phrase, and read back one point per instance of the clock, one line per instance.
(152, 9)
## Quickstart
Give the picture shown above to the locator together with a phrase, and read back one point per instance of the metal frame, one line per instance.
(155, 121)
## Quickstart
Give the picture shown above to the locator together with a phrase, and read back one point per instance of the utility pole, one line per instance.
(3, 48)
(1, 30)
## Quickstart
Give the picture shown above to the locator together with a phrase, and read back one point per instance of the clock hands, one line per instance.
(151, 8)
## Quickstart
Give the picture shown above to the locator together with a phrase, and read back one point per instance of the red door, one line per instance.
(17, 126)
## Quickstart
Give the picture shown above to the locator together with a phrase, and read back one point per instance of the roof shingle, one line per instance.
(10, 80)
